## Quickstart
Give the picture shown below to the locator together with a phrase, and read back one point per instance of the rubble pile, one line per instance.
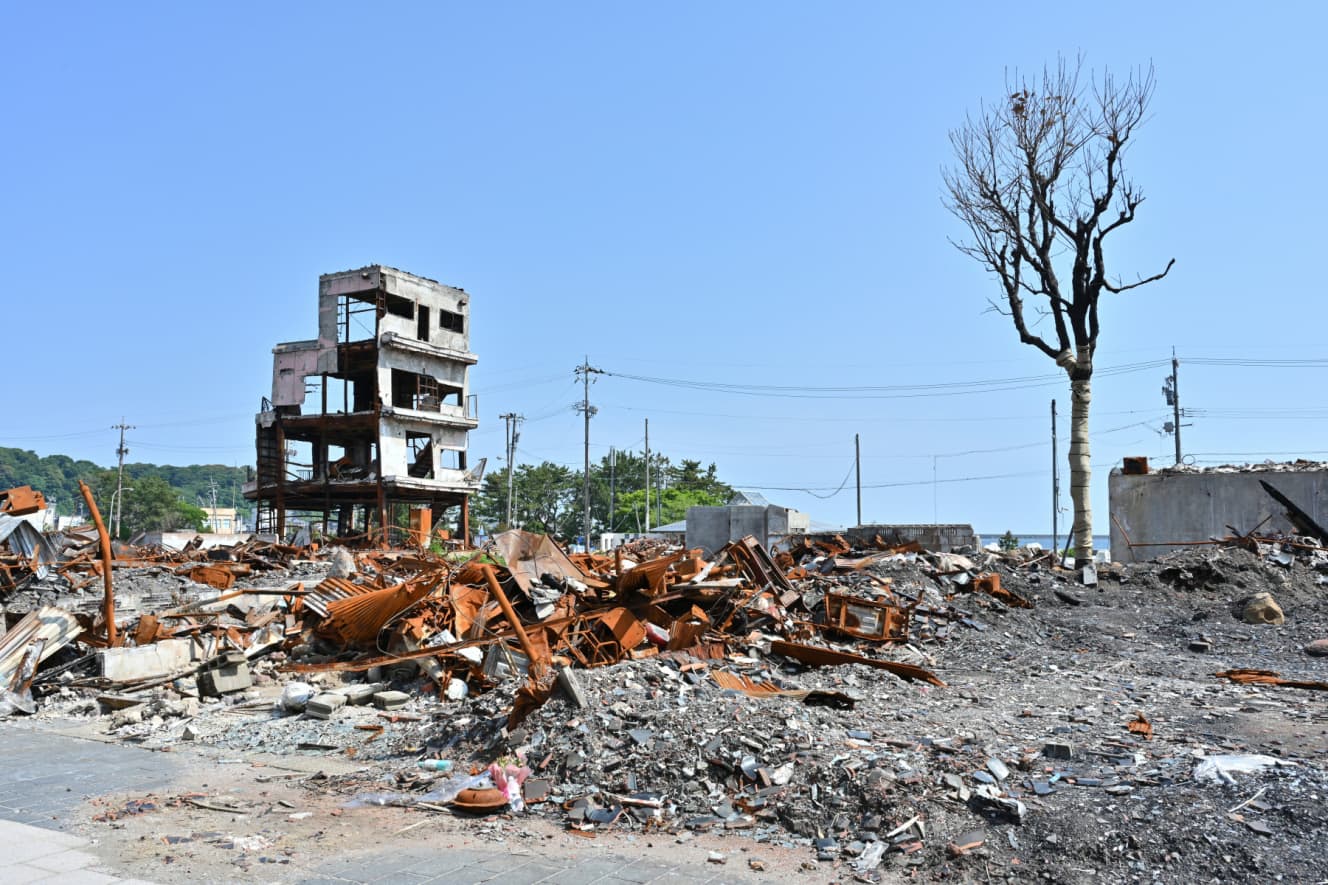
(881, 707)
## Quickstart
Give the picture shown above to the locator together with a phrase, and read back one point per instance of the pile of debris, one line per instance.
(402, 635)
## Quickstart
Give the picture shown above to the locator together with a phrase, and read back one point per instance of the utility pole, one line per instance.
(857, 467)
(212, 490)
(1171, 390)
(1055, 489)
(512, 434)
(613, 485)
(585, 370)
(647, 483)
(119, 482)
(1175, 398)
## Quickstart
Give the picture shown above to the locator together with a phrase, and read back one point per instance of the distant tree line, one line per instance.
(548, 497)
(163, 497)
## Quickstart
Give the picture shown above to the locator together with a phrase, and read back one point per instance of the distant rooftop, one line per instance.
(748, 499)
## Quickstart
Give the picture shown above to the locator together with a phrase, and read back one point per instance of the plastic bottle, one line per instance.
(435, 764)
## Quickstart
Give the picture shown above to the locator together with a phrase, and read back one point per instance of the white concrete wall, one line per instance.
(1155, 508)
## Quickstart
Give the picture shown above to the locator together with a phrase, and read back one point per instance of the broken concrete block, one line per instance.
(141, 662)
(390, 700)
(324, 705)
(1262, 608)
(231, 675)
(363, 693)
(571, 686)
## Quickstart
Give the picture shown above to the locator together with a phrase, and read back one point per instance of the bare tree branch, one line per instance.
(1154, 278)
(1039, 181)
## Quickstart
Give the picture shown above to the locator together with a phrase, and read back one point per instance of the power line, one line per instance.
(896, 391)
(1247, 363)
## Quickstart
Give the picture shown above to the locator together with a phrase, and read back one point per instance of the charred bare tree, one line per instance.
(1039, 181)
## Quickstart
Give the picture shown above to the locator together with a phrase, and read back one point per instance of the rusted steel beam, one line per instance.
(108, 609)
(536, 663)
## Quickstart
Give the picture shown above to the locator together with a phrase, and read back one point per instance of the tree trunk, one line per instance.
(1081, 469)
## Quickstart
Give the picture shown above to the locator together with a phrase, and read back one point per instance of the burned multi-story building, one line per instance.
(366, 426)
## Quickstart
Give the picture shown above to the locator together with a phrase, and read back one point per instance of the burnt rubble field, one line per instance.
(876, 714)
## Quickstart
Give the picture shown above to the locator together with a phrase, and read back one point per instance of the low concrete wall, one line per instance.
(179, 540)
(936, 538)
(1156, 508)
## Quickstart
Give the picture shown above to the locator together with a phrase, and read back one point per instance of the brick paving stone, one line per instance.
(41, 768)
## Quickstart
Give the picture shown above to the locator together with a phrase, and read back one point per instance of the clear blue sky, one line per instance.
(743, 192)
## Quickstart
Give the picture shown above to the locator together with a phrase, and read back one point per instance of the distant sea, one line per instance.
(1100, 542)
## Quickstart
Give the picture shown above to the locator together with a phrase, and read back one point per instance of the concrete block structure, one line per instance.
(366, 427)
(942, 538)
(711, 528)
(1157, 512)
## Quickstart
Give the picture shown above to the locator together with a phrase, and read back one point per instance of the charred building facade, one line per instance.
(366, 428)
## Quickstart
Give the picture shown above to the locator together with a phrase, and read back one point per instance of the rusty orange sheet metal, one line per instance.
(754, 689)
(1269, 677)
(21, 501)
(330, 589)
(816, 656)
(213, 576)
(649, 577)
(356, 620)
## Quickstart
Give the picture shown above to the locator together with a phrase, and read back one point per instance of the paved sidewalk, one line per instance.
(33, 854)
(48, 776)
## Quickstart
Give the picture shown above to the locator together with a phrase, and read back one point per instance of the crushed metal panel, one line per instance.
(55, 626)
(528, 556)
(23, 539)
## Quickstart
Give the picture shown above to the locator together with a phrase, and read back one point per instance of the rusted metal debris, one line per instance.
(1141, 726)
(104, 544)
(816, 656)
(865, 618)
(1269, 677)
(21, 501)
(520, 607)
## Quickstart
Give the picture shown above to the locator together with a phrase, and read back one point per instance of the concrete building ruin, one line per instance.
(367, 424)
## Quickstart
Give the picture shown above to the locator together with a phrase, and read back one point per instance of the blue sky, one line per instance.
(738, 192)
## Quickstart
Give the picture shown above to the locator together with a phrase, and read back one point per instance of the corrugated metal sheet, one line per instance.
(21, 537)
(330, 590)
(357, 619)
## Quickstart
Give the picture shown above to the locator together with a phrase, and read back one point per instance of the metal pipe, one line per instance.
(108, 609)
(536, 665)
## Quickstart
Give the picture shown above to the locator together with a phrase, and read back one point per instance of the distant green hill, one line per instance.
(57, 476)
